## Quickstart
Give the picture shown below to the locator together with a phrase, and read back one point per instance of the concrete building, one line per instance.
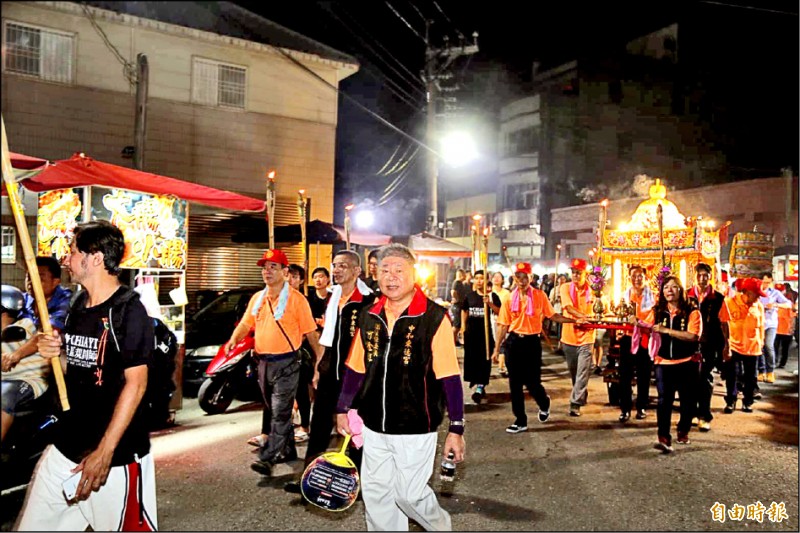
(589, 126)
(231, 95)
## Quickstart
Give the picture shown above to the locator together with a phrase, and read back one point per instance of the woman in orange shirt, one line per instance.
(677, 360)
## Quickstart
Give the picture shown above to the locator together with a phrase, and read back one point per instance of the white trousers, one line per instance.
(395, 471)
(46, 507)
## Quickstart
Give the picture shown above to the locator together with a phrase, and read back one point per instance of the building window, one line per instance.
(9, 245)
(521, 196)
(218, 84)
(522, 142)
(38, 52)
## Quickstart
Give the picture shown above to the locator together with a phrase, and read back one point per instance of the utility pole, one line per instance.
(141, 111)
(436, 61)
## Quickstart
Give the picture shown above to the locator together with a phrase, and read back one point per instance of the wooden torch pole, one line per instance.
(271, 208)
(486, 315)
(660, 216)
(347, 209)
(30, 263)
(301, 213)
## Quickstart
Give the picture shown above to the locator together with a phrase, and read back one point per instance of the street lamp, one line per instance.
(364, 219)
(456, 148)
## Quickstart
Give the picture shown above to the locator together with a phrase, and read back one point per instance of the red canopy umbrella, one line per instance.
(26, 162)
(82, 171)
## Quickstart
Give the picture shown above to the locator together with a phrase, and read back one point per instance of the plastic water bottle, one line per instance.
(448, 471)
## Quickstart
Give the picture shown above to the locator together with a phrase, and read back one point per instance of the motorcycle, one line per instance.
(31, 432)
(230, 374)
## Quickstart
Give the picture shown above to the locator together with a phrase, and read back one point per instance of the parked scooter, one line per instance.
(230, 374)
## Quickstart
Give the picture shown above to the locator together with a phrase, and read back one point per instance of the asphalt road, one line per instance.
(587, 473)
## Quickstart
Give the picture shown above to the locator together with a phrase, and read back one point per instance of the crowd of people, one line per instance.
(370, 346)
(682, 337)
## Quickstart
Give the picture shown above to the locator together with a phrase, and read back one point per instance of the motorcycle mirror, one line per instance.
(14, 334)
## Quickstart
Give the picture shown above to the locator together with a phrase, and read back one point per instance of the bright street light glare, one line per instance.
(458, 148)
(364, 219)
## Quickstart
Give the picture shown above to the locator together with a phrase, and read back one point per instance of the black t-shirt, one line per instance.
(95, 377)
(473, 305)
(373, 284)
(461, 289)
(318, 305)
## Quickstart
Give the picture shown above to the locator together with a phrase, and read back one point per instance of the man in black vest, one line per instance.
(401, 371)
(348, 297)
(711, 340)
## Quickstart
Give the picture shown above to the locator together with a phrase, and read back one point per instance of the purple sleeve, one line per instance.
(454, 396)
(350, 386)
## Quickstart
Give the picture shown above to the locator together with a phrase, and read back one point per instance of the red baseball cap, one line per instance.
(525, 268)
(577, 264)
(750, 284)
(274, 256)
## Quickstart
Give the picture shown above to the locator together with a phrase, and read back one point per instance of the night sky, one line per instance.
(751, 45)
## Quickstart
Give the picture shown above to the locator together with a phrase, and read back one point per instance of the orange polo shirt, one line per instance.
(445, 361)
(785, 321)
(519, 321)
(695, 326)
(569, 333)
(745, 324)
(297, 321)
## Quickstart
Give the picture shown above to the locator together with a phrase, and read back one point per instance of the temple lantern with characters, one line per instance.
(675, 240)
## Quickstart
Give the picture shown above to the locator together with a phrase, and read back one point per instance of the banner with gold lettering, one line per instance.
(154, 226)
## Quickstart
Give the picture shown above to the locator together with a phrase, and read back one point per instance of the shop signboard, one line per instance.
(59, 212)
(154, 226)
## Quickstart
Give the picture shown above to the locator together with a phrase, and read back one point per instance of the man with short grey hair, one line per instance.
(401, 371)
(347, 299)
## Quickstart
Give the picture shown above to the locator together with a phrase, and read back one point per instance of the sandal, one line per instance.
(300, 436)
(258, 441)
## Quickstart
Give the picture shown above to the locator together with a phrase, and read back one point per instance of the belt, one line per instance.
(524, 335)
(277, 357)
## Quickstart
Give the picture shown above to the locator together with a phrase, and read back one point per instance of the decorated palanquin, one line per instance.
(751, 253)
(687, 241)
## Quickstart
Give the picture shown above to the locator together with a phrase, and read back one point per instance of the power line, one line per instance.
(754, 8)
(388, 161)
(354, 101)
(436, 5)
(378, 43)
(423, 17)
(414, 83)
(400, 165)
(394, 88)
(128, 68)
(405, 21)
